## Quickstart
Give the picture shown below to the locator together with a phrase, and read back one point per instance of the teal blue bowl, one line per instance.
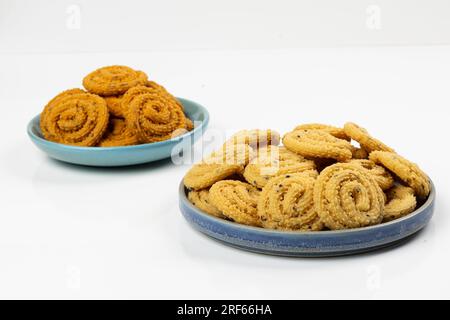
(121, 156)
(308, 244)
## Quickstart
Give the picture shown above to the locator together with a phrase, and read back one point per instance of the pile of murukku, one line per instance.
(119, 107)
(320, 178)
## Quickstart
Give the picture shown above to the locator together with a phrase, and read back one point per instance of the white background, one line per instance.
(77, 232)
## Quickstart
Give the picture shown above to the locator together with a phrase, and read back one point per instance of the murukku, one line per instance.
(400, 202)
(204, 175)
(363, 137)
(234, 154)
(113, 80)
(159, 89)
(256, 138)
(118, 134)
(334, 131)
(286, 202)
(54, 102)
(346, 196)
(153, 118)
(273, 161)
(200, 199)
(317, 144)
(359, 153)
(114, 104)
(407, 171)
(379, 173)
(78, 119)
(237, 200)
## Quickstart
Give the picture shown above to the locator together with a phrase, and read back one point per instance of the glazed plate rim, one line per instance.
(32, 126)
(263, 231)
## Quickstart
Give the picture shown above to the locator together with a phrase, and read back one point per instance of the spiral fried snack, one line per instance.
(407, 171)
(235, 154)
(118, 134)
(256, 138)
(54, 102)
(334, 131)
(203, 175)
(286, 202)
(317, 144)
(237, 200)
(274, 161)
(75, 118)
(346, 196)
(153, 118)
(379, 173)
(200, 199)
(114, 104)
(159, 89)
(113, 80)
(366, 141)
(189, 125)
(359, 153)
(400, 202)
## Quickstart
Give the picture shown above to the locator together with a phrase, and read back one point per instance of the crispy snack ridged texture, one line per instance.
(113, 80)
(78, 119)
(379, 173)
(114, 104)
(159, 89)
(359, 153)
(286, 202)
(153, 118)
(407, 171)
(54, 102)
(317, 144)
(237, 200)
(273, 161)
(118, 134)
(204, 175)
(400, 202)
(256, 138)
(365, 140)
(200, 199)
(234, 154)
(334, 131)
(346, 196)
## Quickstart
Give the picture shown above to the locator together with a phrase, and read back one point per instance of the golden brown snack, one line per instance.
(286, 202)
(366, 141)
(153, 118)
(162, 91)
(274, 161)
(200, 199)
(379, 173)
(346, 196)
(400, 202)
(189, 125)
(237, 200)
(317, 144)
(114, 104)
(334, 131)
(234, 154)
(256, 138)
(54, 102)
(204, 175)
(78, 119)
(118, 134)
(407, 171)
(113, 80)
(359, 153)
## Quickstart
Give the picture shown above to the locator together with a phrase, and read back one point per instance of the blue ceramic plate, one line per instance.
(307, 244)
(120, 156)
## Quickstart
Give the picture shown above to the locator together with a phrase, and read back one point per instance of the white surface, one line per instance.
(76, 232)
